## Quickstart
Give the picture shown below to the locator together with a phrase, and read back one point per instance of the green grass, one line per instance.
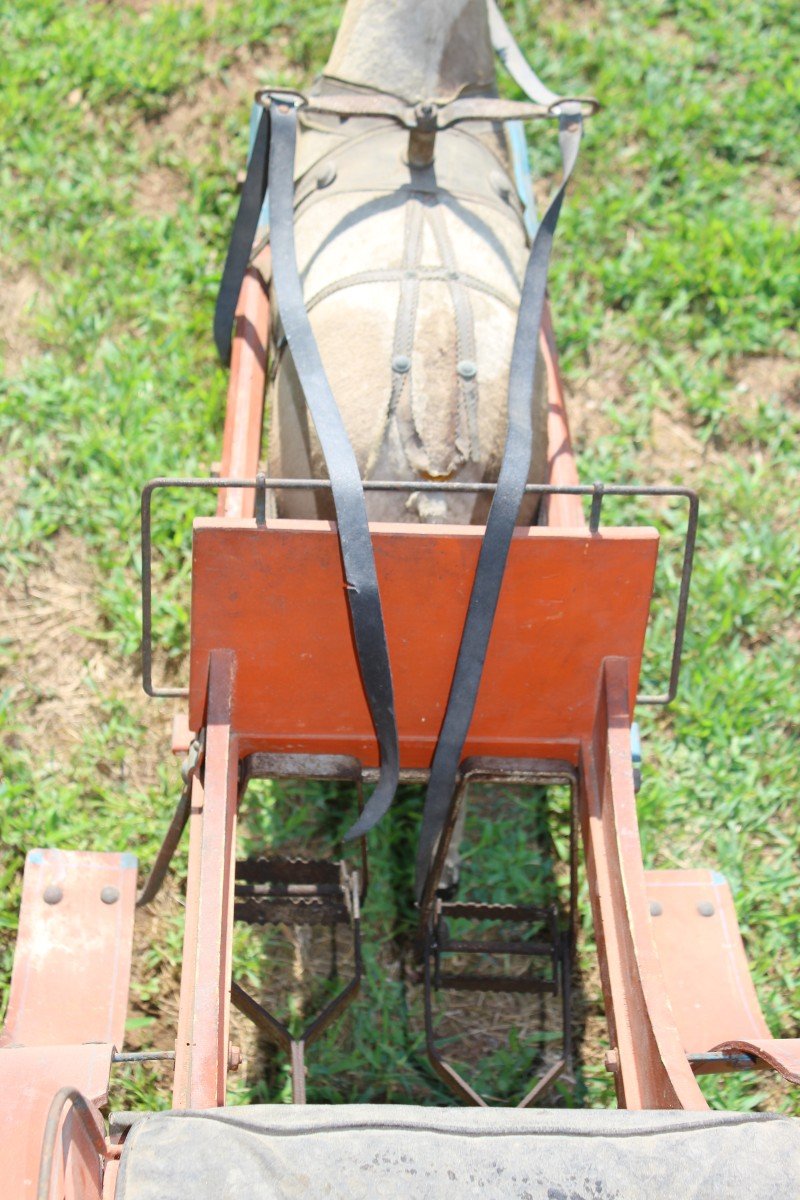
(674, 258)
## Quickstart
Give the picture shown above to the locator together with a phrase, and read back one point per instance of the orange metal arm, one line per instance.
(650, 1065)
(244, 414)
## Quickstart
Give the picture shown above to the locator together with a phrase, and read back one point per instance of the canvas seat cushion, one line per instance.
(355, 1152)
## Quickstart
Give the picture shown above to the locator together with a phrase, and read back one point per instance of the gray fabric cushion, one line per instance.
(356, 1152)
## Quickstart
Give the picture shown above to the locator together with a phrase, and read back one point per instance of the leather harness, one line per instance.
(272, 163)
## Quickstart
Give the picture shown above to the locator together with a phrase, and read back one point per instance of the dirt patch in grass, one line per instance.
(60, 674)
(196, 119)
(674, 447)
(159, 192)
(600, 400)
(584, 14)
(594, 395)
(779, 194)
(759, 383)
(667, 30)
(55, 665)
(18, 297)
(59, 670)
(765, 378)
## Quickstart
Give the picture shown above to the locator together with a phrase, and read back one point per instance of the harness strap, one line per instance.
(437, 114)
(241, 244)
(501, 520)
(273, 157)
(272, 160)
(348, 495)
(515, 62)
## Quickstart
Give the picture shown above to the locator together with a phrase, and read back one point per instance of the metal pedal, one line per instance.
(294, 891)
(543, 939)
(291, 891)
(533, 919)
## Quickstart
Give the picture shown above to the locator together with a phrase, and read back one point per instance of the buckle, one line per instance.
(283, 96)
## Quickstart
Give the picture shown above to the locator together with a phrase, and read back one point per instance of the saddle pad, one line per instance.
(356, 1152)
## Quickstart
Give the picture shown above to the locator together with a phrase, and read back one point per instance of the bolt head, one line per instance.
(705, 908)
(501, 184)
(401, 363)
(109, 895)
(656, 908)
(53, 894)
(612, 1061)
(327, 175)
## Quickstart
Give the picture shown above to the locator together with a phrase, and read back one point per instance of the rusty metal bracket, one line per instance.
(191, 764)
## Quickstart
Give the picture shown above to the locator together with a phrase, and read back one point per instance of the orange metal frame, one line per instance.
(273, 669)
(268, 605)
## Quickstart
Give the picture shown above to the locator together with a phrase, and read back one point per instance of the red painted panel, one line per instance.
(72, 961)
(276, 598)
(703, 958)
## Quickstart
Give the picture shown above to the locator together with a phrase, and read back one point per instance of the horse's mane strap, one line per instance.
(432, 114)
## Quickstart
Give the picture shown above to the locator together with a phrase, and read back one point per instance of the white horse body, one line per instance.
(411, 275)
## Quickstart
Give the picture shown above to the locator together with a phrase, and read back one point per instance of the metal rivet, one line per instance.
(467, 369)
(52, 894)
(501, 184)
(401, 363)
(109, 895)
(705, 908)
(326, 175)
(656, 908)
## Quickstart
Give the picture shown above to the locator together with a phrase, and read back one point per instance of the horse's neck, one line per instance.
(416, 49)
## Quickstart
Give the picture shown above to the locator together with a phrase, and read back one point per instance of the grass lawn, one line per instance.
(674, 292)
